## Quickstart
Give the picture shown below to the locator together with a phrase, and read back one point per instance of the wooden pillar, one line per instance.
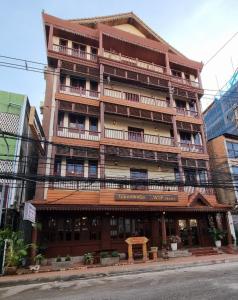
(130, 254)
(163, 228)
(105, 233)
(102, 113)
(229, 237)
(144, 250)
(155, 232)
(50, 41)
(168, 71)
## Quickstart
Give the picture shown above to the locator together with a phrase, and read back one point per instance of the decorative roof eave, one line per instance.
(128, 15)
(70, 27)
(125, 208)
(132, 39)
(185, 62)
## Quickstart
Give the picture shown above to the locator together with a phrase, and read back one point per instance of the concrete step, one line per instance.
(204, 251)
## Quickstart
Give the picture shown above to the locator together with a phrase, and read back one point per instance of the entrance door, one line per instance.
(188, 229)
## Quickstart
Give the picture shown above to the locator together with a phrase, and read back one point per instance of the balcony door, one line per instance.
(135, 134)
(138, 175)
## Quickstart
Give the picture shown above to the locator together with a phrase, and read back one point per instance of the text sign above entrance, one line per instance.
(146, 197)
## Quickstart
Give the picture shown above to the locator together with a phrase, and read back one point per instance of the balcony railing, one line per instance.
(135, 97)
(186, 112)
(202, 190)
(138, 137)
(77, 133)
(75, 52)
(179, 79)
(188, 147)
(79, 91)
(135, 62)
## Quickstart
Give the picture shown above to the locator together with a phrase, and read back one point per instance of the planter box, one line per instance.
(108, 261)
(10, 270)
(61, 265)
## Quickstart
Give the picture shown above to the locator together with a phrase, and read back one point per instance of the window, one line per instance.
(180, 104)
(74, 167)
(76, 121)
(190, 176)
(185, 137)
(94, 51)
(82, 228)
(232, 149)
(93, 169)
(202, 175)
(61, 119)
(57, 166)
(197, 140)
(141, 175)
(93, 124)
(78, 82)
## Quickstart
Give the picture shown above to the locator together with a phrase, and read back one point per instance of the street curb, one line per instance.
(159, 268)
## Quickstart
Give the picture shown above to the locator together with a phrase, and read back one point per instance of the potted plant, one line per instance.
(174, 240)
(67, 258)
(16, 250)
(108, 259)
(88, 258)
(217, 235)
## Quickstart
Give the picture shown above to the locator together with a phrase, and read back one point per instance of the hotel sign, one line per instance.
(146, 197)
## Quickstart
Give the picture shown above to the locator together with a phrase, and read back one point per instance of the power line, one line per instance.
(222, 47)
(46, 70)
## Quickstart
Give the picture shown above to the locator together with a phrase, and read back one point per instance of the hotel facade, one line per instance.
(122, 112)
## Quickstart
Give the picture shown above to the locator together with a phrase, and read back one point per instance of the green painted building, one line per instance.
(17, 156)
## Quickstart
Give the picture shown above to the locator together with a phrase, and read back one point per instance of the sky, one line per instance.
(195, 28)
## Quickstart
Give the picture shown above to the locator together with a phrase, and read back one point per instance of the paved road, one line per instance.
(200, 283)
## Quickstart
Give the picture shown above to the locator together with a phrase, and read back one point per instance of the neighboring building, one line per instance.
(122, 108)
(221, 116)
(17, 156)
(223, 151)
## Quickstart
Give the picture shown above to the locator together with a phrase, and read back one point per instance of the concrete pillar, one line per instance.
(85, 168)
(63, 167)
(66, 120)
(88, 51)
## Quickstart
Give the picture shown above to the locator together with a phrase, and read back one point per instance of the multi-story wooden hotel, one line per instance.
(122, 108)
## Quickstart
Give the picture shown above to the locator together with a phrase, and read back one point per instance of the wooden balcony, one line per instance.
(138, 137)
(183, 80)
(121, 184)
(76, 133)
(134, 62)
(140, 154)
(188, 147)
(136, 98)
(75, 53)
(186, 113)
(78, 91)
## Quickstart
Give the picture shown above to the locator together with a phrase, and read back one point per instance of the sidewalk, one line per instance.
(85, 272)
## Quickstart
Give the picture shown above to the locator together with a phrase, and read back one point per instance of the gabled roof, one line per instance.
(125, 18)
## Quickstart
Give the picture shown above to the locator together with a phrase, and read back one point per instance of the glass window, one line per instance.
(76, 121)
(190, 176)
(57, 166)
(136, 174)
(74, 167)
(197, 140)
(202, 175)
(93, 169)
(232, 149)
(185, 137)
(61, 119)
(93, 124)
